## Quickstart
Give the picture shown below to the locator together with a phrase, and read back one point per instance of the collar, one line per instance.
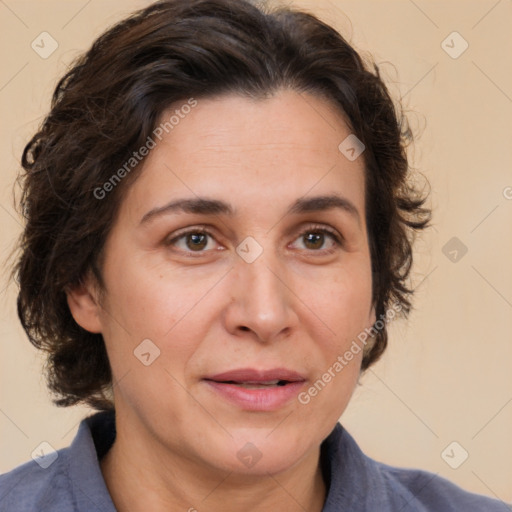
(353, 481)
(95, 436)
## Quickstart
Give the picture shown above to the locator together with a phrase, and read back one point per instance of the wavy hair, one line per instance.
(109, 103)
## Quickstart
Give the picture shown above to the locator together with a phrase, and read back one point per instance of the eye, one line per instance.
(195, 240)
(314, 238)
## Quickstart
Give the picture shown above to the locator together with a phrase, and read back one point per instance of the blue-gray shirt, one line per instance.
(73, 482)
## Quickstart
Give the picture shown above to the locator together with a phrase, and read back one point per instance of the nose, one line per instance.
(261, 300)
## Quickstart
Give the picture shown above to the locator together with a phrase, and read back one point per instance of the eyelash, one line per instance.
(310, 229)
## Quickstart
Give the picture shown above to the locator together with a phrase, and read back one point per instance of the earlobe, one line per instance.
(84, 306)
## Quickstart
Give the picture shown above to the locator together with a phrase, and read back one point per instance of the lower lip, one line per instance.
(263, 399)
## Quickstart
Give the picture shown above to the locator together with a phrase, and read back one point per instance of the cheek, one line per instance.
(143, 300)
(170, 310)
(343, 302)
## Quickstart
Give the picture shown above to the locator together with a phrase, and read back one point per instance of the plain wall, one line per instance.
(446, 375)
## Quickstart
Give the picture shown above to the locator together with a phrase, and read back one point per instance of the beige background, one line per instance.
(447, 373)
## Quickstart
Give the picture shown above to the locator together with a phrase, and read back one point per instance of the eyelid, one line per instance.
(323, 228)
(184, 232)
(302, 230)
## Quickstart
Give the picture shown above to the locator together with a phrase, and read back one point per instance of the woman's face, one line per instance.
(253, 290)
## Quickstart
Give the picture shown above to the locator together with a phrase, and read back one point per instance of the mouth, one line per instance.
(256, 385)
(249, 377)
(257, 390)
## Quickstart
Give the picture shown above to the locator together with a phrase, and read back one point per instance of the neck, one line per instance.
(142, 475)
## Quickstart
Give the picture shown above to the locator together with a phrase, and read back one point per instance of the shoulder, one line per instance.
(360, 483)
(37, 486)
(67, 480)
(424, 491)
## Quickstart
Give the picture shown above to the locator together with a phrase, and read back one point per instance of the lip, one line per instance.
(264, 399)
(253, 375)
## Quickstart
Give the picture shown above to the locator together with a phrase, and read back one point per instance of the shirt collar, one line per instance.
(353, 481)
(95, 436)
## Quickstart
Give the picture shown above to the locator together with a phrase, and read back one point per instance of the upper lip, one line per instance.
(253, 375)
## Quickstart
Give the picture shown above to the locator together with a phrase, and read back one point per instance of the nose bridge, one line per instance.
(265, 285)
(262, 297)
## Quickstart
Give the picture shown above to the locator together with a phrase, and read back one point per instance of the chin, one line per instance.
(260, 451)
(257, 464)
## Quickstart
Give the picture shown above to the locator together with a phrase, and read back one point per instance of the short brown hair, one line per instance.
(110, 101)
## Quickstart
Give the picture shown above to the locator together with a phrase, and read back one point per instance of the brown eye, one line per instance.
(194, 240)
(314, 239)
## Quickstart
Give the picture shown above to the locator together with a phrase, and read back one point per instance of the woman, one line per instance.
(218, 213)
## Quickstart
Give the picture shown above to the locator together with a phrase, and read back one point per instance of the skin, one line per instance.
(207, 310)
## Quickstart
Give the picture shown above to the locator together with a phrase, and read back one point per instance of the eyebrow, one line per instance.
(206, 206)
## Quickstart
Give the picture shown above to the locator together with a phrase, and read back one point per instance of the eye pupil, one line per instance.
(314, 238)
(197, 237)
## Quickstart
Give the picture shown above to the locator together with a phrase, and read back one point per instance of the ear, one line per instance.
(84, 304)
(372, 317)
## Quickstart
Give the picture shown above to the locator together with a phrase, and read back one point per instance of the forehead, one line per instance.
(236, 124)
(250, 152)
